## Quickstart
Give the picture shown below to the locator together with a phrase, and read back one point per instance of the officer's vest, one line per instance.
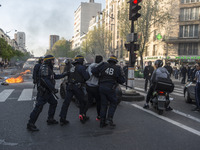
(47, 71)
(75, 76)
(108, 73)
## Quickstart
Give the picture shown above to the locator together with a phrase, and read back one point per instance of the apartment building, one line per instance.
(82, 17)
(180, 43)
(52, 40)
(20, 38)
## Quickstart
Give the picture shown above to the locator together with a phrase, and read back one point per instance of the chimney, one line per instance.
(91, 1)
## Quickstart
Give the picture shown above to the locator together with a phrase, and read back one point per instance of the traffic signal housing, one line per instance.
(133, 10)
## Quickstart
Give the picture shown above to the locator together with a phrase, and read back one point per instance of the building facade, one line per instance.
(82, 17)
(52, 40)
(20, 38)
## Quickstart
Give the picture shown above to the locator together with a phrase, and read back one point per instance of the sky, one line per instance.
(39, 19)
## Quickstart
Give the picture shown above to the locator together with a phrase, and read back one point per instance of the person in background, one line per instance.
(197, 88)
(148, 71)
(183, 74)
(169, 68)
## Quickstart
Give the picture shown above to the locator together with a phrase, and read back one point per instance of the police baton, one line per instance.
(46, 86)
(127, 86)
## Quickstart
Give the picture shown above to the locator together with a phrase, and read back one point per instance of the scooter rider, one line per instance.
(159, 72)
(46, 91)
(109, 75)
(75, 87)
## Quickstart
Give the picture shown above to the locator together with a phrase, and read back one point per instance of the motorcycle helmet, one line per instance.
(79, 59)
(159, 63)
(48, 59)
(112, 58)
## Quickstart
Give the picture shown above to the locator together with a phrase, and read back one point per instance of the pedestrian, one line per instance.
(46, 93)
(148, 71)
(76, 87)
(109, 75)
(92, 86)
(125, 69)
(176, 73)
(183, 74)
(193, 73)
(197, 88)
(169, 68)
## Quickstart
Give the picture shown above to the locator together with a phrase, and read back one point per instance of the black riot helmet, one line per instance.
(67, 61)
(48, 59)
(112, 58)
(149, 63)
(79, 59)
(159, 63)
(40, 59)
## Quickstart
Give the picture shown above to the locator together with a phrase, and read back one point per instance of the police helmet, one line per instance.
(79, 59)
(40, 59)
(159, 63)
(48, 59)
(149, 63)
(112, 58)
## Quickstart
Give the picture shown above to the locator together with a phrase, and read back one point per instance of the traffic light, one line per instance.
(134, 8)
(132, 47)
(133, 58)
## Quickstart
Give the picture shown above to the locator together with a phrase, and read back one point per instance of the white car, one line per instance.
(30, 63)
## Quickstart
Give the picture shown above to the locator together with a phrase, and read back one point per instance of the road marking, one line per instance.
(186, 115)
(3, 142)
(169, 120)
(26, 95)
(173, 93)
(5, 94)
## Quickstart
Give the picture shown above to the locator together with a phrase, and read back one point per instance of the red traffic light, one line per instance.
(136, 1)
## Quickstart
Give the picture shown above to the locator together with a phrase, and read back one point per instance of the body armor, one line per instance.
(108, 73)
(75, 76)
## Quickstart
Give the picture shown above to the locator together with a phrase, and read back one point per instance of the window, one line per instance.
(189, 1)
(189, 31)
(188, 49)
(189, 14)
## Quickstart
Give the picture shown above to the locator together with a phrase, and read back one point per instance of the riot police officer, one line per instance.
(109, 75)
(76, 87)
(148, 71)
(46, 91)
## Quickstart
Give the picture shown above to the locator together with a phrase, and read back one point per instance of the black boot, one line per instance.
(111, 124)
(32, 127)
(51, 121)
(63, 121)
(103, 123)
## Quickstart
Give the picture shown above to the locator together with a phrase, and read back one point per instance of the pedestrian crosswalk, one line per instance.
(24, 95)
(178, 91)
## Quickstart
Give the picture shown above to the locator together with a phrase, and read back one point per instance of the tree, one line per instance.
(151, 14)
(61, 48)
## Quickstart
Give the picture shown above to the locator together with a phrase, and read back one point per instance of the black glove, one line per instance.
(65, 73)
(55, 91)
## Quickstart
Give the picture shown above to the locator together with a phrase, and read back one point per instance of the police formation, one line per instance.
(99, 80)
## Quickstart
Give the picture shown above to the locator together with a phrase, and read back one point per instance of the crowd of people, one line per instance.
(99, 79)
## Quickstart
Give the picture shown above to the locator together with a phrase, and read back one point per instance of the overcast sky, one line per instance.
(39, 19)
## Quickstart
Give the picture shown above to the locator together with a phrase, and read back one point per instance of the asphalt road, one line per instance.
(137, 128)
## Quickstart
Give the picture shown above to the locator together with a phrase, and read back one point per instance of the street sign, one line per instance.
(132, 37)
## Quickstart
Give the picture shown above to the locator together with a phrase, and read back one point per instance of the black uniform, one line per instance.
(148, 71)
(75, 87)
(46, 89)
(110, 75)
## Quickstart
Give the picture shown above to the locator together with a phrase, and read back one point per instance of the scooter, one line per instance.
(160, 101)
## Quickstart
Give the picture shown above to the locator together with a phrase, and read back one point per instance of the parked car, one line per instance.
(30, 63)
(189, 92)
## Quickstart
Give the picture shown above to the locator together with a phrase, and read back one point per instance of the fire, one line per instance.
(15, 80)
(18, 79)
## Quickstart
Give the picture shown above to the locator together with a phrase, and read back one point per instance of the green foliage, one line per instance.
(7, 52)
(62, 48)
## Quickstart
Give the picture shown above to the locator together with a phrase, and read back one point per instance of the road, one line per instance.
(137, 128)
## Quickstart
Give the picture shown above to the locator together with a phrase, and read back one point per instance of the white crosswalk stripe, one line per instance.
(5, 94)
(177, 91)
(26, 95)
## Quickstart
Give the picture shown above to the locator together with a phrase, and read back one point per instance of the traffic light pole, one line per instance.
(131, 77)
